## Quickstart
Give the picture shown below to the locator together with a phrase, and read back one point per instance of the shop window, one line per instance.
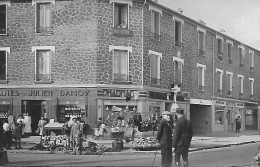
(251, 80)
(219, 115)
(219, 78)
(68, 109)
(43, 18)
(4, 109)
(251, 60)
(229, 82)
(240, 84)
(178, 70)
(3, 21)
(155, 61)
(121, 15)
(201, 76)
(229, 52)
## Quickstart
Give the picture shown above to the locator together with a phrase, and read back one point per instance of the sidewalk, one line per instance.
(199, 142)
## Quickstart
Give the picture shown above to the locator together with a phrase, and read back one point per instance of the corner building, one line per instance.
(83, 58)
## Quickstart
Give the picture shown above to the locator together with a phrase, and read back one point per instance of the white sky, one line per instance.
(239, 18)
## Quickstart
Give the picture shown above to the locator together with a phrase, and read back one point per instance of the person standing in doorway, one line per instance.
(27, 124)
(182, 138)
(164, 136)
(238, 124)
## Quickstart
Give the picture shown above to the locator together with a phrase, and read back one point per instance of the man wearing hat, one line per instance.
(182, 138)
(164, 136)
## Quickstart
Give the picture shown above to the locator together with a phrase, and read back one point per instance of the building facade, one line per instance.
(84, 58)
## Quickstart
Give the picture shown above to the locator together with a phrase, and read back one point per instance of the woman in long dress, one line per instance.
(41, 126)
(27, 125)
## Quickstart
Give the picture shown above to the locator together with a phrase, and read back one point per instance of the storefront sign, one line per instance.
(9, 93)
(222, 103)
(45, 92)
(219, 108)
(231, 104)
(153, 103)
(117, 93)
(119, 102)
(240, 105)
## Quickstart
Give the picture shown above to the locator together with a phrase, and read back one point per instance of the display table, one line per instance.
(54, 127)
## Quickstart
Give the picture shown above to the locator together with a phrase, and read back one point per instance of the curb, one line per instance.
(127, 152)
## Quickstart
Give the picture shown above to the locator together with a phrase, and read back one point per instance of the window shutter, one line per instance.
(152, 22)
(124, 14)
(116, 15)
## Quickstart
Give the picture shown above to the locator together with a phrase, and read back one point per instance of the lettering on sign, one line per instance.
(9, 93)
(220, 102)
(74, 92)
(42, 92)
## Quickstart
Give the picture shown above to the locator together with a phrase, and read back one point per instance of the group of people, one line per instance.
(11, 129)
(179, 140)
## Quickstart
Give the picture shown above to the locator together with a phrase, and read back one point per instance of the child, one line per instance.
(18, 134)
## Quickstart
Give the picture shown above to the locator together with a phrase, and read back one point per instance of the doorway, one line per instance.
(35, 109)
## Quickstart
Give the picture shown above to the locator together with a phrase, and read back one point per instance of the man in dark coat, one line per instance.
(164, 136)
(182, 138)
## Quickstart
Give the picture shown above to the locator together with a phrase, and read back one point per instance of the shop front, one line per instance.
(251, 116)
(220, 116)
(56, 104)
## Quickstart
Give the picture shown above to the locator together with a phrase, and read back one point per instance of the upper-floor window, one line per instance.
(3, 16)
(240, 84)
(3, 64)
(241, 55)
(155, 19)
(43, 63)
(201, 40)
(155, 65)
(201, 76)
(178, 63)
(155, 22)
(120, 63)
(251, 59)
(178, 33)
(121, 13)
(229, 82)
(43, 16)
(251, 80)
(219, 78)
(229, 51)
(219, 45)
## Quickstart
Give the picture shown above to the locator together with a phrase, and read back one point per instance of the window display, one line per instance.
(71, 109)
(219, 115)
(4, 108)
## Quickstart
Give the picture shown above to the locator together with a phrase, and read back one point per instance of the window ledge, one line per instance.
(44, 33)
(7, 34)
(122, 82)
(122, 32)
(43, 82)
(3, 81)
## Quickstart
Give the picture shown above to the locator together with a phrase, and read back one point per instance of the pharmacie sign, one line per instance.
(70, 92)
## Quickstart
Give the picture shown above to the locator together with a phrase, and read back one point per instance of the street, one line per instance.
(230, 156)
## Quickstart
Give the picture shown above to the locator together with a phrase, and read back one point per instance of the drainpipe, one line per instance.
(213, 87)
(142, 84)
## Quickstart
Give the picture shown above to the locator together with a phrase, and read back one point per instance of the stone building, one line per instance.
(85, 57)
